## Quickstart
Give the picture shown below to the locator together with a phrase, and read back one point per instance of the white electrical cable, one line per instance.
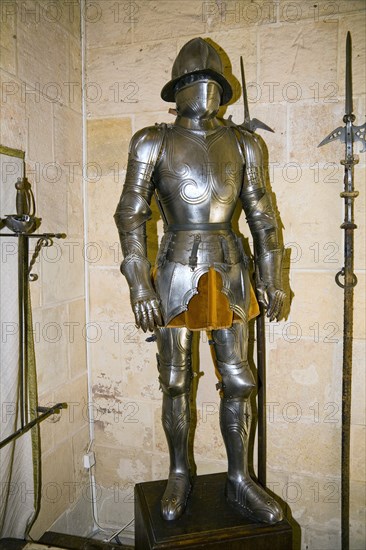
(86, 271)
(86, 275)
(94, 502)
(120, 531)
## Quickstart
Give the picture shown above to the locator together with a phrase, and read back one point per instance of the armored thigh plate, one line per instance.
(174, 360)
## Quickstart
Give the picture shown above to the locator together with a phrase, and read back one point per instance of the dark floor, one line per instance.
(68, 542)
(12, 544)
(80, 543)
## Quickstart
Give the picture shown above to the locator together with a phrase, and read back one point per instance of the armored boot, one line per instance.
(236, 385)
(244, 494)
(176, 421)
(174, 363)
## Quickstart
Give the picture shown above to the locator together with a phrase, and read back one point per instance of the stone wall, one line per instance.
(41, 114)
(294, 61)
(294, 56)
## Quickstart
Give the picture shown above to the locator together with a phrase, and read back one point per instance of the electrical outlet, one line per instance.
(89, 460)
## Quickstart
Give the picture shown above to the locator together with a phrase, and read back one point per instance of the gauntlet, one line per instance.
(269, 282)
(144, 301)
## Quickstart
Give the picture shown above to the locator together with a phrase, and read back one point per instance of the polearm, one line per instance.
(251, 125)
(347, 134)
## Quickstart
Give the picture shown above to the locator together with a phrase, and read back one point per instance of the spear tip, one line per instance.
(245, 96)
(349, 103)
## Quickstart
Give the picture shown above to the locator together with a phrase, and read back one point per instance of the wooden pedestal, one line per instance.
(208, 522)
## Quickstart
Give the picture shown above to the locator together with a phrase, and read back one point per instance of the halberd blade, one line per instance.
(338, 133)
(255, 123)
(359, 134)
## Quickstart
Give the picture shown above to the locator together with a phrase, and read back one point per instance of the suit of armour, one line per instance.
(199, 169)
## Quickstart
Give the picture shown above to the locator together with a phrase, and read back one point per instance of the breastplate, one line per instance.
(199, 175)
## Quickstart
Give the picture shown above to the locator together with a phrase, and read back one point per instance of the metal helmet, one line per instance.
(195, 58)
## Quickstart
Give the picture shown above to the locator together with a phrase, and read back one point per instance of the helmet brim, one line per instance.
(168, 94)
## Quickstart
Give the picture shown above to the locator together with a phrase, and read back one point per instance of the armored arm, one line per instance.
(262, 221)
(132, 213)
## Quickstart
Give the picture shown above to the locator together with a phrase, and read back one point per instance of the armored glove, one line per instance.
(144, 301)
(269, 282)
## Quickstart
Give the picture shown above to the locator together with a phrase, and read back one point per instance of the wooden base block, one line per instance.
(209, 522)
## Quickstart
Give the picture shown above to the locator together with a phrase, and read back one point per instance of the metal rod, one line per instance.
(48, 412)
(262, 421)
(35, 235)
(21, 358)
(25, 245)
(346, 390)
(350, 281)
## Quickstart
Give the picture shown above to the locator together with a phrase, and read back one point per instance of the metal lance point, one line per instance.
(349, 98)
(250, 124)
(347, 134)
(356, 133)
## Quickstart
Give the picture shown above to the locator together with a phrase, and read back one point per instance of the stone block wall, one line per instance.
(41, 114)
(294, 55)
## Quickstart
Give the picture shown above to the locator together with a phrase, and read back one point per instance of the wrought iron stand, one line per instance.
(21, 226)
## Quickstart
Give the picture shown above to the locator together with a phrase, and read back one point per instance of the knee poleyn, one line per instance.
(237, 381)
(174, 381)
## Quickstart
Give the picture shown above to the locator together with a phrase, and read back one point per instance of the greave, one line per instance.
(174, 363)
(176, 421)
(234, 426)
(242, 492)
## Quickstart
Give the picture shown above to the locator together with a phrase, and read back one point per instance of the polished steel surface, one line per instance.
(175, 374)
(197, 59)
(200, 168)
